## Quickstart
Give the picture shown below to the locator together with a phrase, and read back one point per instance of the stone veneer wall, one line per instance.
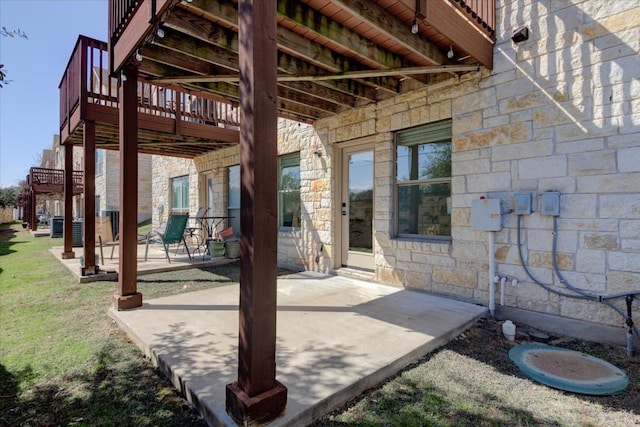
(163, 170)
(294, 247)
(108, 184)
(558, 112)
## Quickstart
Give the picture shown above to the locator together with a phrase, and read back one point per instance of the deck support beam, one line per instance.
(128, 295)
(257, 397)
(89, 157)
(68, 203)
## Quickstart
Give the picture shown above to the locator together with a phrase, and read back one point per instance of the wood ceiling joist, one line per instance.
(393, 28)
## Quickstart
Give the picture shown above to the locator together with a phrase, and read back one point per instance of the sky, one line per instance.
(29, 105)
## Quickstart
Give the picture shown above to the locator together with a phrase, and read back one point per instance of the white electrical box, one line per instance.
(485, 215)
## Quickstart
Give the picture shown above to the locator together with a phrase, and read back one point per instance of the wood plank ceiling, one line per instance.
(332, 55)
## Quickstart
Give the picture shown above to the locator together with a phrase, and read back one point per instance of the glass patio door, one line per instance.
(357, 208)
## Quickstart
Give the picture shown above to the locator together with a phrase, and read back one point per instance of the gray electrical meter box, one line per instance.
(485, 215)
(522, 203)
(550, 203)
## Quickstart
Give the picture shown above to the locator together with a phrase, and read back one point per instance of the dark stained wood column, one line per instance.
(68, 203)
(89, 157)
(34, 217)
(128, 295)
(256, 396)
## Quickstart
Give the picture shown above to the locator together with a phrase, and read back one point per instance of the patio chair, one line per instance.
(173, 233)
(104, 235)
(196, 230)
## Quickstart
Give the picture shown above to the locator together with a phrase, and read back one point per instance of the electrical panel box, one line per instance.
(522, 203)
(550, 203)
(485, 215)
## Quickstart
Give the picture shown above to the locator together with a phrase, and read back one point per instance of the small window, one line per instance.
(289, 191)
(423, 181)
(99, 162)
(233, 207)
(180, 194)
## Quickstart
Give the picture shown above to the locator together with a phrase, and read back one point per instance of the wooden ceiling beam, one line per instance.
(298, 13)
(393, 28)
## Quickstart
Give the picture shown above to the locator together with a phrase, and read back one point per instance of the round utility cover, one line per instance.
(568, 370)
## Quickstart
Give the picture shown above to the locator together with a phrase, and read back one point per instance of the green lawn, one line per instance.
(63, 361)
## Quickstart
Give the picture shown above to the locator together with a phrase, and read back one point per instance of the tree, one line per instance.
(9, 33)
(9, 196)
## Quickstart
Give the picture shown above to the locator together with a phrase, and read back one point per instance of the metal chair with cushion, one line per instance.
(173, 233)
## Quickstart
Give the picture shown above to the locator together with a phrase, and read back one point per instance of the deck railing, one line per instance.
(52, 178)
(87, 81)
(119, 13)
(481, 12)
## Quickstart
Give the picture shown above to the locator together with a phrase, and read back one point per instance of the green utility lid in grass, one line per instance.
(568, 370)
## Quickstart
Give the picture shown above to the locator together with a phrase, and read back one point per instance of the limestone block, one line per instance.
(578, 206)
(610, 24)
(600, 241)
(455, 276)
(538, 306)
(590, 311)
(429, 259)
(449, 289)
(563, 185)
(592, 163)
(467, 122)
(390, 275)
(588, 224)
(469, 167)
(486, 182)
(630, 229)
(624, 141)
(523, 150)
(590, 261)
(542, 167)
(418, 281)
(545, 260)
(623, 282)
(470, 250)
(624, 261)
(479, 100)
(501, 135)
(623, 206)
(620, 183)
(629, 159)
(630, 245)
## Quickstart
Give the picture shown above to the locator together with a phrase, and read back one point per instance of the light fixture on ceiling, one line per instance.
(450, 52)
(414, 27)
(138, 55)
(160, 32)
(188, 1)
(123, 76)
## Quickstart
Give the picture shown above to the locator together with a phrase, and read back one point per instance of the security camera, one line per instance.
(520, 35)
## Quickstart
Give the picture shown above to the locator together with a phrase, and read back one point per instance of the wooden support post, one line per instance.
(256, 396)
(89, 145)
(68, 203)
(34, 217)
(128, 295)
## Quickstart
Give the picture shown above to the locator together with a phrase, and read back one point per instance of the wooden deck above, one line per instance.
(43, 181)
(171, 121)
(333, 55)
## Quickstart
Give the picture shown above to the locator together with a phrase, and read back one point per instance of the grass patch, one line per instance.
(62, 360)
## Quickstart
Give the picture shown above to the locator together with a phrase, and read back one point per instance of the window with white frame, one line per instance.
(180, 194)
(99, 162)
(289, 190)
(423, 181)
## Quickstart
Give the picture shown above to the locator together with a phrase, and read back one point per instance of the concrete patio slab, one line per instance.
(156, 262)
(336, 337)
